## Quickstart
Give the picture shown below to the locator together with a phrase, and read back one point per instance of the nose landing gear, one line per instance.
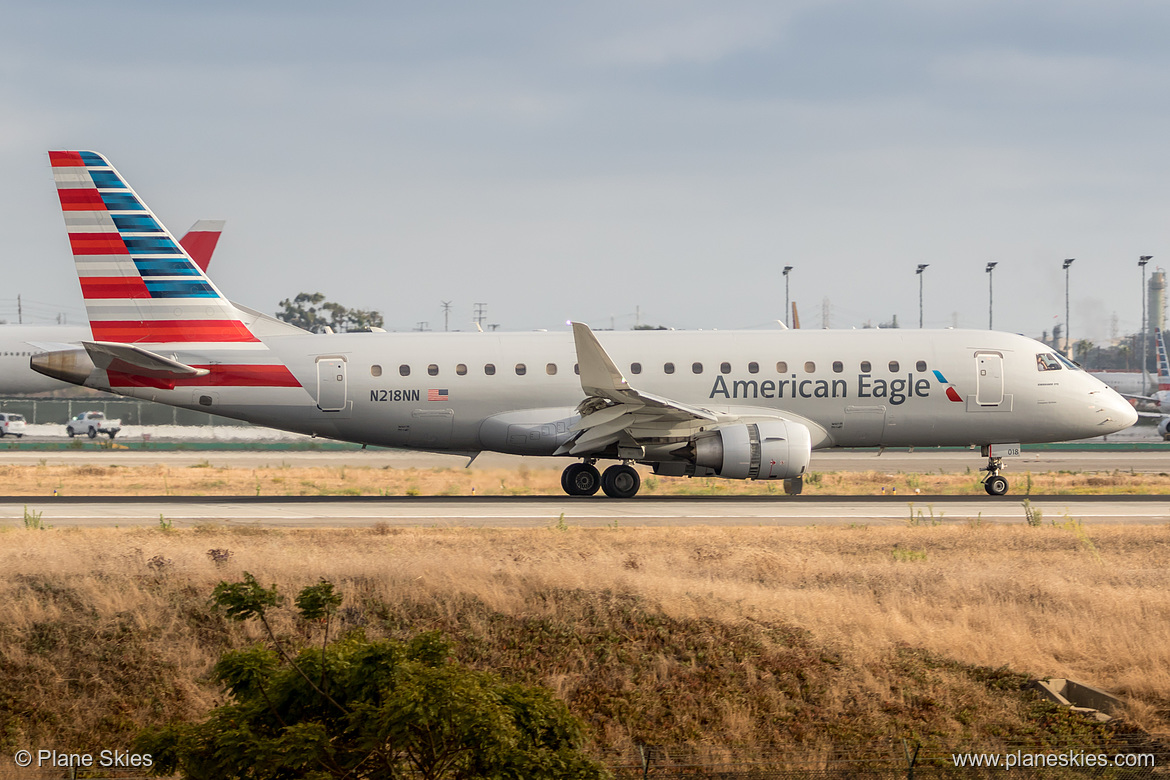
(994, 483)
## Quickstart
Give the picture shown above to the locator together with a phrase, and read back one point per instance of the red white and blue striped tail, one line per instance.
(140, 285)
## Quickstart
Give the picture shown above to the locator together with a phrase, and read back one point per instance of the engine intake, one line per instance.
(774, 449)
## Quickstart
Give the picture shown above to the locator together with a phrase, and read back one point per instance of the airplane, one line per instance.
(18, 342)
(1161, 397)
(739, 405)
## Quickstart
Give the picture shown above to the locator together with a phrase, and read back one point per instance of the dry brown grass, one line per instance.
(742, 636)
(203, 479)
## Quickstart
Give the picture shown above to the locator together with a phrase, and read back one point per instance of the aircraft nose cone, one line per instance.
(1116, 412)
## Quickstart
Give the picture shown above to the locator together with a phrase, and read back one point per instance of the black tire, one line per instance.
(621, 482)
(996, 486)
(3, 433)
(92, 433)
(112, 434)
(20, 435)
(580, 479)
(69, 431)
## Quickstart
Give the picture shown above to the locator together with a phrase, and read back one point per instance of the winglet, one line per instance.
(599, 375)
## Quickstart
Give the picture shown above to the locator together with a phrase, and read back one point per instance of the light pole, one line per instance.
(787, 268)
(1067, 342)
(990, 267)
(921, 267)
(1145, 325)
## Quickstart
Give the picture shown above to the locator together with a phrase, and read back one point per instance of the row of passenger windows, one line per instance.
(810, 367)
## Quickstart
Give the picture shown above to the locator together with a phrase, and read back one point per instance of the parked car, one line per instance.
(91, 424)
(11, 424)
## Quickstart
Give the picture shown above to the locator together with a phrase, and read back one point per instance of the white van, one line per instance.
(11, 424)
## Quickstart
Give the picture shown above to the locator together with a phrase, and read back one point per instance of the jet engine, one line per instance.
(773, 449)
(1164, 428)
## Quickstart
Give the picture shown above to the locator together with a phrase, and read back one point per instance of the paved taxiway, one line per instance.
(890, 461)
(529, 512)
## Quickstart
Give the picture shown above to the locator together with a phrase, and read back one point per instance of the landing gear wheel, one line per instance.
(996, 485)
(580, 479)
(621, 482)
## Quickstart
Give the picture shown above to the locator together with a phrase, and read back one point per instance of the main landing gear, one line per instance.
(583, 479)
(994, 483)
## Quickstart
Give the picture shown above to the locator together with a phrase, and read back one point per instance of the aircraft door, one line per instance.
(331, 384)
(988, 378)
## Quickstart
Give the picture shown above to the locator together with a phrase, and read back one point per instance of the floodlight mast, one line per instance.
(1145, 323)
(1067, 341)
(787, 268)
(990, 267)
(921, 267)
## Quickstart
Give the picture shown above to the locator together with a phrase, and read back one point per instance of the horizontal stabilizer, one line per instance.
(136, 361)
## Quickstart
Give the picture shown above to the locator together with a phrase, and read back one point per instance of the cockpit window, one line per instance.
(1070, 365)
(1046, 361)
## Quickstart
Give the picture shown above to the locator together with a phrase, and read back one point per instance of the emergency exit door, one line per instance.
(331, 384)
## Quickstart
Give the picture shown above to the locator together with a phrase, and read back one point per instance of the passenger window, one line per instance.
(433, 370)
(753, 368)
(781, 367)
(461, 369)
(894, 367)
(375, 371)
(635, 368)
(551, 369)
(489, 369)
(724, 368)
(521, 369)
(404, 370)
(838, 366)
(866, 367)
(668, 368)
(920, 366)
(810, 367)
(697, 368)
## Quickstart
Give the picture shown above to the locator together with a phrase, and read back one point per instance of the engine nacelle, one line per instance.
(774, 449)
(1164, 428)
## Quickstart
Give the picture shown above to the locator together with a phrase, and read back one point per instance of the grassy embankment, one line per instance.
(204, 479)
(750, 638)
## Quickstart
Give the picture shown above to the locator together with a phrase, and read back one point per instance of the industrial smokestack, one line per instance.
(1157, 292)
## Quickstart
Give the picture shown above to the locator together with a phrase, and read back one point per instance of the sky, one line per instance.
(606, 161)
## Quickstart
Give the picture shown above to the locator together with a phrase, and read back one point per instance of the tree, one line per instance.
(360, 708)
(309, 310)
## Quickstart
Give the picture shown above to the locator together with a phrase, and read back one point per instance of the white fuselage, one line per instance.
(465, 392)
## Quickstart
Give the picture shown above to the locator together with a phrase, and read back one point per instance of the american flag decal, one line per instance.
(437, 395)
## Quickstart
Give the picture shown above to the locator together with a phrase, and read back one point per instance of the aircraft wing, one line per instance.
(612, 409)
(1133, 397)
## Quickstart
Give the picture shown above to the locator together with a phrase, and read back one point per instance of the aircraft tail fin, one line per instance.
(200, 241)
(140, 285)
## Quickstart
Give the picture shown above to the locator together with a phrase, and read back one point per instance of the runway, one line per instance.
(527, 512)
